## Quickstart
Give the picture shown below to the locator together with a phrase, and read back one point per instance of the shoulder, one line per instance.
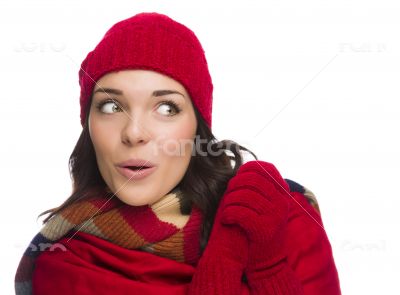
(308, 195)
(307, 243)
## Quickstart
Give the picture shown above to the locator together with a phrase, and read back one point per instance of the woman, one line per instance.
(157, 207)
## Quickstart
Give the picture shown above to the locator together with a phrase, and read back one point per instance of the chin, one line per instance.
(133, 202)
(134, 198)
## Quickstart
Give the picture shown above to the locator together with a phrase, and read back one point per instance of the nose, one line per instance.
(134, 131)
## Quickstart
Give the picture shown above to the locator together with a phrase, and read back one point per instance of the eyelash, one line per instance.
(167, 101)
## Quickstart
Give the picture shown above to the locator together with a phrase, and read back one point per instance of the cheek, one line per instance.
(101, 139)
(178, 143)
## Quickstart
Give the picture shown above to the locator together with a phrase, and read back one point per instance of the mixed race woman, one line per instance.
(159, 205)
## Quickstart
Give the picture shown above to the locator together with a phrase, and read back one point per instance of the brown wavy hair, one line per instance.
(203, 184)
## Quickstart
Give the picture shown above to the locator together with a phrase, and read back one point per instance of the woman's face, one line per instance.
(142, 123)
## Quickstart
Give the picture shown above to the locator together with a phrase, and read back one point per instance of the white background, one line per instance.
(311, 86)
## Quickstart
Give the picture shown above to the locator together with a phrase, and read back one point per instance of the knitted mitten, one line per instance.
(221, 266)
(247, 237)
(258, 202)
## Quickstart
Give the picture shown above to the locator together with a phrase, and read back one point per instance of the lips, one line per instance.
(136, 169)
(136, 174)
(136, 164)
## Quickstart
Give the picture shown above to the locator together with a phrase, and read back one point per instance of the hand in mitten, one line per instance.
(259, 204)
(221, 266)
(247, 236)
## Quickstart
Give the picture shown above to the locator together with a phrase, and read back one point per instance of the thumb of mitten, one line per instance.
(247, 219)
(259, 219)
(265, 234)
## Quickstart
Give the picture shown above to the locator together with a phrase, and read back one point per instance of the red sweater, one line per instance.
(95, 266)
(308, 247)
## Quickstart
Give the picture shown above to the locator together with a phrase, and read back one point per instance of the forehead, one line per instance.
(138, 79)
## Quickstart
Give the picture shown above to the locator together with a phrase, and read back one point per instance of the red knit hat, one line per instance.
(151, 41)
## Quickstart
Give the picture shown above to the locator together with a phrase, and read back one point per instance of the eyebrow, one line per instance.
(156, 93)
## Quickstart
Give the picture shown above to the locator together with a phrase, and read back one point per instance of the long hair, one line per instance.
(203, 184)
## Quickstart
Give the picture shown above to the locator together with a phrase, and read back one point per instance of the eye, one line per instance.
(167, 105)
(109, 104)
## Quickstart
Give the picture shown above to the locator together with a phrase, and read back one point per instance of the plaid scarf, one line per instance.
(159, 228)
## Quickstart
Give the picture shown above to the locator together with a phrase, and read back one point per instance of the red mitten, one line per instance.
(247, 236)
(258, 202)
(221, 266)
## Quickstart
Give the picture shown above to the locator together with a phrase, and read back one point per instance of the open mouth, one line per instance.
(136, 172)
(136, 168)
